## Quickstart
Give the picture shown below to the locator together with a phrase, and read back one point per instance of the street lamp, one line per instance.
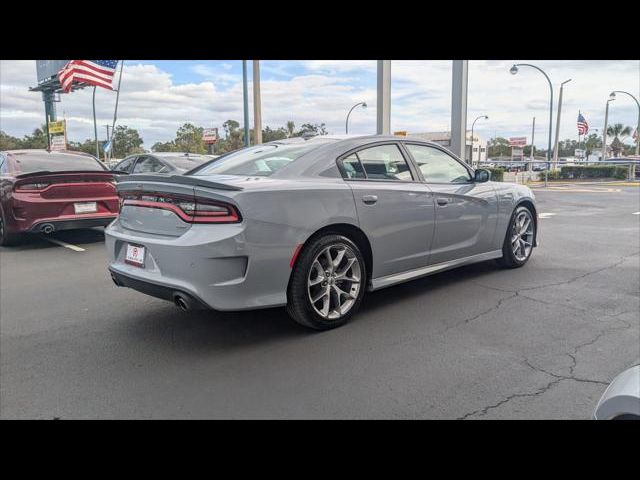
(513, 71)
(346, 128)
(473, 125)
(606, 121)
(613, 96)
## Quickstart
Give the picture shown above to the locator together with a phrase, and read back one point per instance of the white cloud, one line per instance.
(323, 91)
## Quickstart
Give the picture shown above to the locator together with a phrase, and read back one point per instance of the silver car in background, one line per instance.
(175, 163)
(312, 224)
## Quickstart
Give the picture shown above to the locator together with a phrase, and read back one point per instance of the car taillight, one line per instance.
(198, 210)
(33, 187)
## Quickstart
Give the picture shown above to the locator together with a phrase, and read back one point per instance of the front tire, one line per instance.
(327, 283)
(519, 239)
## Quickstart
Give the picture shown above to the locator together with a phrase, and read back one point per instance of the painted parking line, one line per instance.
(546, 215)
(70, 246)
(635, 213)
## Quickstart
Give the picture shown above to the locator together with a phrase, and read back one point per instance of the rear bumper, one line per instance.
(163, 292)
(71, 224)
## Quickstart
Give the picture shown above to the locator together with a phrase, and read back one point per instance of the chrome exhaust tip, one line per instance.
(182, 302)
(47, 228)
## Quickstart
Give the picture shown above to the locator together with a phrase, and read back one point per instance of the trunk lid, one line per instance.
(154, 201)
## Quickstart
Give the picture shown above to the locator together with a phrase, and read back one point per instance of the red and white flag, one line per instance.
(92, 72)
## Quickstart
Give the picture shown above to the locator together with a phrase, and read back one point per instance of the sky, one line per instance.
(158, 96)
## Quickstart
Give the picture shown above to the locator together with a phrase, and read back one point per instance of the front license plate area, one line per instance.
(135, 255)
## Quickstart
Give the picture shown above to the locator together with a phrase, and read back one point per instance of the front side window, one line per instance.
(437, 166)
(149, 165)
(383, 162)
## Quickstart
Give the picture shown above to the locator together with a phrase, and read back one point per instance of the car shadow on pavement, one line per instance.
(211, 331)
(36, 241)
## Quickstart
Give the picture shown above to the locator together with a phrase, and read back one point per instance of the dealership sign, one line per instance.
(56, 127)
(210, 135)
(58, 143)
(517, 141)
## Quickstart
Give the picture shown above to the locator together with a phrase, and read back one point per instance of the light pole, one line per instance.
(513, 71)
(346, 127)
(245, 98)
(555, 146)
(604, 132)
(613, 96)
(473, 125)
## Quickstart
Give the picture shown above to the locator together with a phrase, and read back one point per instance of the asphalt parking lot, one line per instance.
(479, 342)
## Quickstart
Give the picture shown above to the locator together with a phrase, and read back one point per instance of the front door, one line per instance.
(466, 211)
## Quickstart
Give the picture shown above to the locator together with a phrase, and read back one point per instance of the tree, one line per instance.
(7, 142)
(126, 141)
(593, 141)
(619, 130)
(269, 135)
(189, 139)
(291, 128)
(38, 139)
(499, 147)
(229, 127)
(312, 129)
(164, 147)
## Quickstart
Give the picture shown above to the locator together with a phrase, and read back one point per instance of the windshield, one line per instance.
(55, 162)
(261, 160)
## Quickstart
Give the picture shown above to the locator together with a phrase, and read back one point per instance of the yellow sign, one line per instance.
(56, 127)
(402, 133)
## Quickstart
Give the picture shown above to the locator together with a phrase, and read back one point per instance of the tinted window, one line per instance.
(437, 166)
(149, 165)
(125, 165)
(186, 163)
(353, 167)
(384, 162)
(261, 160)
(54, 162)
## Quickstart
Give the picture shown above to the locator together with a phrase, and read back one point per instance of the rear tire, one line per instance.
(327, 283)
(519, 238)
(6, 238)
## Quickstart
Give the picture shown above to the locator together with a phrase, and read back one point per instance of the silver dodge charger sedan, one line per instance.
(312, 224)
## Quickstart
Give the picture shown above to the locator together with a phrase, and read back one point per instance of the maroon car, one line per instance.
(43, 191)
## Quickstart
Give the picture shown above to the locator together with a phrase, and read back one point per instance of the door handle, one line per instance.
(370, 199)
(442, 201)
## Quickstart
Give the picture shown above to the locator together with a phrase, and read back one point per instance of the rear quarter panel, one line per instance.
(509, 195)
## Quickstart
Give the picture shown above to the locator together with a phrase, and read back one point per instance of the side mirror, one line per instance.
(482, 175)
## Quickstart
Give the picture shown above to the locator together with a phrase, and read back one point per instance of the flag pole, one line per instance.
(115, 112)
(95, 125)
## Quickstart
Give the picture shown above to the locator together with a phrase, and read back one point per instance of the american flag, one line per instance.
(583, 126)
(93, 72)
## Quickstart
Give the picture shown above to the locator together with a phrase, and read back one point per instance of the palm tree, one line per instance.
(290, 128)
(618, 130)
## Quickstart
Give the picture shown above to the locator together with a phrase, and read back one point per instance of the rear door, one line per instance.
(466, 212)
(395, 209)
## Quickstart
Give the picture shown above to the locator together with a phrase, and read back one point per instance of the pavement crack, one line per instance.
(481, 314)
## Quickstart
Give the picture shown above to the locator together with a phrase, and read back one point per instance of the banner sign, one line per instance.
(210, 135)
(106, 147)
(58, 143)
(517, 141)
(56, 127)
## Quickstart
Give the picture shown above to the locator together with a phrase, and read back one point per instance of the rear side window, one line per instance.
(383, 162)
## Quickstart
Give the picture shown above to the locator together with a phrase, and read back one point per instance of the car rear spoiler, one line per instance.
(41, 173)
(180, 179)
